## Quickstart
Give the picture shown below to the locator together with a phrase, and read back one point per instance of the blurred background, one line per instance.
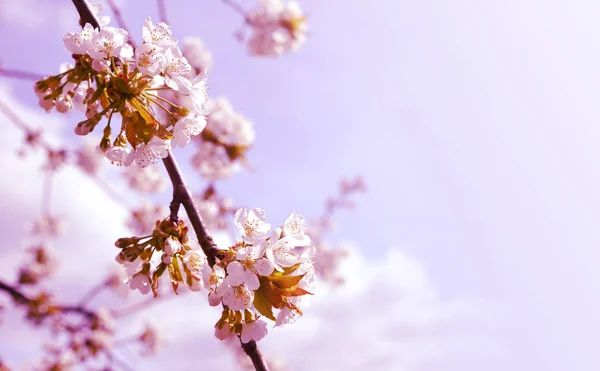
(474, 125)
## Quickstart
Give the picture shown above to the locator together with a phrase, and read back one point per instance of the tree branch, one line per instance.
(85, 13)
(20, 298)
(182, 194)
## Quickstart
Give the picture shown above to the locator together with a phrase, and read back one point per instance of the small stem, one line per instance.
(237, 7)
(162, 10)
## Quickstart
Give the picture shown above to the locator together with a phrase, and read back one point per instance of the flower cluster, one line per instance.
(110, 77)
(268, 270)
(168, 248)
(277, 28)
(224, 141)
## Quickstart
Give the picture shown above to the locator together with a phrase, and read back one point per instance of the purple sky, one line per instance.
(475, 125)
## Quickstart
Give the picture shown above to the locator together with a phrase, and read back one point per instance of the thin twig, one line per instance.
(20, 298)
(23, 75)
(120, 20)
(95, 290)
(111, 192)
(237, 7)
(162, 10)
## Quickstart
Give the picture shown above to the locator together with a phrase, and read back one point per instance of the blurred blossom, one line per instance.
(278, 28)
(224, 141)
(197, 55)
(143, 219)
(90, 158)
(48, 226)
(148, 179)
(150, 340)
(42, 264)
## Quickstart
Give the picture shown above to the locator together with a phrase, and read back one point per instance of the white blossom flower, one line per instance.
(146, 154)
(187, 127)
(175, 70)
(236, 297)
(107, 42)
(117, 155)
(79, 42)
(285, 316)
(196, 262)
(150, 59)
(159, 34)
(254, 330)
(251, 224)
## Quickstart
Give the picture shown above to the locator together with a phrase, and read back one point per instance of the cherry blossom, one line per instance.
(159, 34)
(150, 59)
(187, 127)
(147, 154)
(175, 70)
(107, 42)
(251, 224)
(79, 42)
(278, 28)
(254, 330)
(236, 297)
(145, 179)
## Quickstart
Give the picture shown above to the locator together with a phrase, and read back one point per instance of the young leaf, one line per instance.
(286, 282)
(263, 306)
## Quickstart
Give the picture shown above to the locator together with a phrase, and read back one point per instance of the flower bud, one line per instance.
(172, 246)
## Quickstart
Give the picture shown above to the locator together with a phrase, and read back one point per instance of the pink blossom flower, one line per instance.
(150, 59)
(254, 330)
(187, 127)
(107, 42)
(146, 154)
(251, 224)
(79, 42)
(159, 34)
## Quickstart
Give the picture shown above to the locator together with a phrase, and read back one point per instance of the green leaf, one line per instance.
(263, 306)
(270, 292)
(286, 282)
